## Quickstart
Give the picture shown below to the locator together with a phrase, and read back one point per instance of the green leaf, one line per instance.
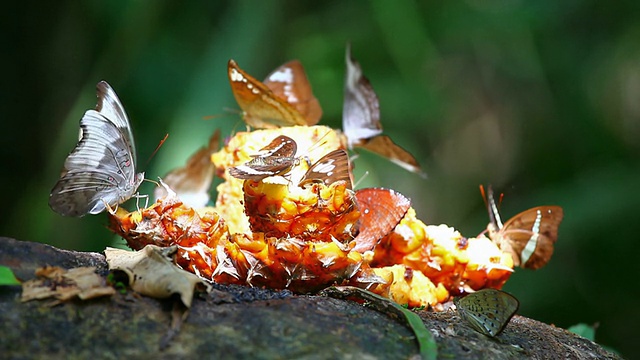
(7, 277)
(589, 332)
(426, 342)
(584, 330)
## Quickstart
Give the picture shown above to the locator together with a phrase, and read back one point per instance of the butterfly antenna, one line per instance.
(366, 173)
(484, 195)
(152, 181)
(353, 157)
(226, 112)
(157, 148)
(314, 146)
(241, 114)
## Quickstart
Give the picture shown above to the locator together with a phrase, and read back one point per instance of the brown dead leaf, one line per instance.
(62, 284)
(152, 272)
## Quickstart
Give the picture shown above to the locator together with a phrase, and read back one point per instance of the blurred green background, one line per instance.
(541, 99)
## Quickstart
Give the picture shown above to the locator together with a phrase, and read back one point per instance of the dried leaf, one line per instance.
(62, 284)
(152, 272)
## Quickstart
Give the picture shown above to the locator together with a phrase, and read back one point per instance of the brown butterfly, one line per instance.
(284, 99)
(380, 212)
(277, 158)
(192, 181)
(528, 236)
(361, 119)
(331, 168)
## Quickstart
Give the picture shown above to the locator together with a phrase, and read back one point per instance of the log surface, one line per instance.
(235, 322)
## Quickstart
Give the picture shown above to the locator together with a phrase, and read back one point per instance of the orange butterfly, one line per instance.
(361, 119)
(528, 236)
(380, 212)
(283, 99)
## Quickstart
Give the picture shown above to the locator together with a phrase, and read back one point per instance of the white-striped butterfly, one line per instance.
(277, 158)
(283, 99)
(528, 236)
(331, 168)
(101, 170)
(361, 119)
(488, 311)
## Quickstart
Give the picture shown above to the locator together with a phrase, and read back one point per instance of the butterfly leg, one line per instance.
(111, 210)
(138, 197)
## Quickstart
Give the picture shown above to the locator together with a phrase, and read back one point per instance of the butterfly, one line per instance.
(277, 158)
(101, 170)
(331, 168)
(192, 181)
(488, 311)
(528, 236)
(380, 212)
(283, 99)
(361, 119)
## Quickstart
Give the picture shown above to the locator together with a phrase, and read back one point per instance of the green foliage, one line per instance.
(117, 282)
(7, 277)
(589, 332)
(584, 330)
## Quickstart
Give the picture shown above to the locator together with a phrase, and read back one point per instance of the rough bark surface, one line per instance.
(235, 322)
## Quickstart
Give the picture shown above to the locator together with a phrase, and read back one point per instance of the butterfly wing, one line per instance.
(385, 147)
(274, 159)
(111, 108)
(361, 119)
(380, 212)
(331, 168)
(488, 311)
(361, 108)
(289, 82)
(262, 108)
(192, 181)
(531, 234)
(100, 169)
